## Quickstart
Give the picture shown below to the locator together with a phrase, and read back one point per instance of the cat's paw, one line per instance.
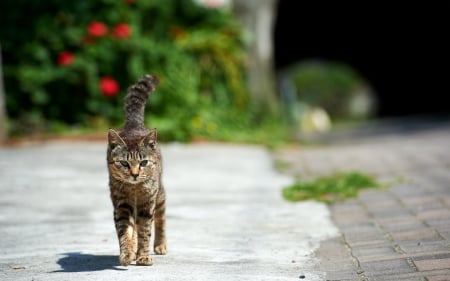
(144, 260)
(161, 249)
(126, 258)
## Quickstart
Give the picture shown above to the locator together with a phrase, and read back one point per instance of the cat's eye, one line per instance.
(125, 164)
(143, 163)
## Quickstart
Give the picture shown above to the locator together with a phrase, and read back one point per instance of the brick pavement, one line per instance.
(401, 232)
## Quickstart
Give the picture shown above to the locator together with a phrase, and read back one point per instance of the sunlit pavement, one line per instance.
(226, 217)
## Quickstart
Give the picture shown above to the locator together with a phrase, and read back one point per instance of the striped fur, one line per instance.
(135, 180)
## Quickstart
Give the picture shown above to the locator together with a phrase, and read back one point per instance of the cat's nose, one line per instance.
(134, 171)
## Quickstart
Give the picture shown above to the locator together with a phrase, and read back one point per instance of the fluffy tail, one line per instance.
(136, 99)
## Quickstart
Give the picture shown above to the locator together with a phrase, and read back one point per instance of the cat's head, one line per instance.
(133, 162)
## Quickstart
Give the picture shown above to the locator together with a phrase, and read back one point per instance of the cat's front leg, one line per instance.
(125, 224)
(144, 227)
(160, 244)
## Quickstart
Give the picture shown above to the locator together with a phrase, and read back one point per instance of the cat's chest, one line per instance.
(144, 191)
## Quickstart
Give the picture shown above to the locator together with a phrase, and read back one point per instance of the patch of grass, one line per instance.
(330, 189)
(281, 165)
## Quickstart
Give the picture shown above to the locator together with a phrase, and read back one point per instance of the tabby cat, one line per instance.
(135, 172)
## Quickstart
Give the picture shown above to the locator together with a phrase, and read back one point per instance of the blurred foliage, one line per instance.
(58, 54)
(334, 86)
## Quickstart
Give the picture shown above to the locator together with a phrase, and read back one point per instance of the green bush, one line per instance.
(70, 62)
(334, 86)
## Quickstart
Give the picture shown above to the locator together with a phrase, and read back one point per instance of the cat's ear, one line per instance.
(114, 140)
(150, 140)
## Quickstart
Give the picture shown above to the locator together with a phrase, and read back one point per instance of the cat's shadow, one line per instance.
(79, 262)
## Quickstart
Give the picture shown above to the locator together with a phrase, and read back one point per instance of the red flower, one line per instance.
(97, 29)
(109, 86)
(128, 1)
(122, 31)
(177, 32)
(65, 58)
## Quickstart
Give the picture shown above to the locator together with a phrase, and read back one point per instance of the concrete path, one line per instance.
(226, 217)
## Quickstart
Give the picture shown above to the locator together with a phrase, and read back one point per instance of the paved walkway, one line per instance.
(401, 233)
(226, 217)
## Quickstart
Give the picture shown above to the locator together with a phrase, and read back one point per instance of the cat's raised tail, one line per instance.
(136, 99)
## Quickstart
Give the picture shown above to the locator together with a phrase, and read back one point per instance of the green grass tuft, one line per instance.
(329, 189)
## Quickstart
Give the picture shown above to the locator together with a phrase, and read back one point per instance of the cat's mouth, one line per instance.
(135, 179)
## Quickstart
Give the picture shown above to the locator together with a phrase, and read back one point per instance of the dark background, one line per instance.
(401, 48)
